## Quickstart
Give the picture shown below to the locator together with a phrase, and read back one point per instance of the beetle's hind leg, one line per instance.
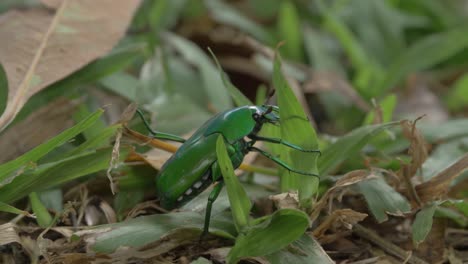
(211, 199)
(281, 163)
(282, 142)
(159, 135)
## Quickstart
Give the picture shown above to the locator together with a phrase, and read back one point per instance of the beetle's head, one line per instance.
(266, 114)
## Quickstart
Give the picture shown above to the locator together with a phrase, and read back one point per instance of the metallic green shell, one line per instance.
(188, 172)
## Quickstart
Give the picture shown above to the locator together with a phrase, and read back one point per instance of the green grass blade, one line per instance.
(10, 209)
(348, 145)
(274, 233)
(289, 30)
(239, 98)
(296, 129)
(3, 90)
(383, 199)
(55, 173)
(424, 54)
(44, 219)
(227, 15)
(38, 152)
(423, 223)
(240, 202)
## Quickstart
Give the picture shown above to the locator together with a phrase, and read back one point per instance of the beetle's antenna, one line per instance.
(271, 92)
(269, 110)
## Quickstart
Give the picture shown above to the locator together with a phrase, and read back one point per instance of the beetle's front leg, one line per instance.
(282, 142)
(211, 199)
(159, 135)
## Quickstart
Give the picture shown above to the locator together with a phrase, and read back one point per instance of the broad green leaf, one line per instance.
(274, 233)
(240, 202)
(44, 219)
(443, 156)
(55, 173)
(347, 146)
(422, 224)
(305, 250)
(296, 129)
(7, 169)
(123, 84)
(52, 198)
(425, 54)
(227, 15)
(10, 209)
(289, 30)
(3, 90)
(383, 199)
(457, 98)
(146, 229)
(239, 98)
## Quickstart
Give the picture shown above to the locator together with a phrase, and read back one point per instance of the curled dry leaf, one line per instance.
(44, 47)
(348, 179)
(418, 150)
(286, 200)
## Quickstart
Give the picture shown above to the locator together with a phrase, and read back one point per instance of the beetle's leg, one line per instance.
(281, 163)
(213, 196)
(159, 135)
(281, 141)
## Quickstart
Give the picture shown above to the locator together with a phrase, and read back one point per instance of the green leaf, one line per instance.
(423, 223)
(3, 90)
(238, 199)
(302, 251)
(296, 129)
(274, 233)
(383, 199)
(348, 146)
(44, 219)
(212, 81)
(289, 30)
(226, 15)
(10, 209)
(239, 98)
(425, 54)
(55, 173)
(457, 98)
(38, 152)
(146, 229)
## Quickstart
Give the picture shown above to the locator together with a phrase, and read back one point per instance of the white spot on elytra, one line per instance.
(205, 177)
(188, 192)
(180, 199)
(198, 184)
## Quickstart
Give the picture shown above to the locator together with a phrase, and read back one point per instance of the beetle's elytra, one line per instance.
(194, 166)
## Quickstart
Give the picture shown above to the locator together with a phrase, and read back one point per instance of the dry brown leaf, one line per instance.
(37, 128)
(342, 218)
(348, 179)
(418, 150)
(286, 200)
(438, 186)
(44, 47)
